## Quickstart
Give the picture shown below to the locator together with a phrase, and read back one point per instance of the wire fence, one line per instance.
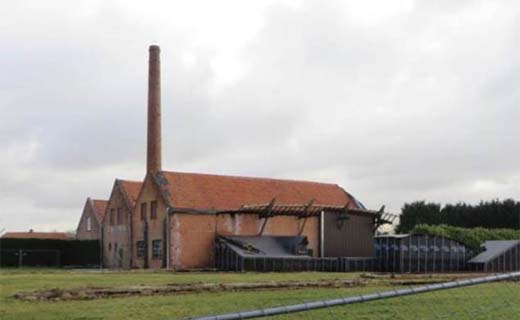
(486, 297)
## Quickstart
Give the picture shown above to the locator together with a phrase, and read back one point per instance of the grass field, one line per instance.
(491, 301)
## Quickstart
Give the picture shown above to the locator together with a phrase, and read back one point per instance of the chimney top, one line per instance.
(154, 47)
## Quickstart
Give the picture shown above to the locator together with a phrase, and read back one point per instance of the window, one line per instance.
(143, 211)
(115, 247)
(157, 249)
(119, 216)
(109, 246)
(153, 210)
(89, 224)
(141, 248)
(112, 216)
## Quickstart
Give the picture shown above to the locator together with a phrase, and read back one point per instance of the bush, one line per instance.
(418, 212)
(471, 237)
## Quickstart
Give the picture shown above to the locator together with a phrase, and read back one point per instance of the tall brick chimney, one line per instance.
(153, 150)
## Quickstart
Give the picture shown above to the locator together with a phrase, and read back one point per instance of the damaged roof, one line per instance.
(309, 209)
(219, 192)
(266, 246)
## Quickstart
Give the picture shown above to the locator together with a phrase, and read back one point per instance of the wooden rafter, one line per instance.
(383, 217)
(305, 215)
(267, 214)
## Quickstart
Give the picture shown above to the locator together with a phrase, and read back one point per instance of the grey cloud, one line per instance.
(420, 105)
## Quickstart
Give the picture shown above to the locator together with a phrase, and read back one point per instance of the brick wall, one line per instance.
(116, 234)
(192, 236)
(155, 227)
(192, 240)
(82, 232)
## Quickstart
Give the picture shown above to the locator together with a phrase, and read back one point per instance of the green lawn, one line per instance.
(493, 301)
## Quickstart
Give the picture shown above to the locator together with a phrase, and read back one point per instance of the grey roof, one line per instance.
(494, 249)
(398, 236)
(266, 246)
(406, 235)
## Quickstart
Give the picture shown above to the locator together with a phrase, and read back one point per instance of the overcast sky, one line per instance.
(395, 101)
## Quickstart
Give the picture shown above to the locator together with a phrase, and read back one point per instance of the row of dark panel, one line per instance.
(421, 253)
(404, 254)
(227, 259)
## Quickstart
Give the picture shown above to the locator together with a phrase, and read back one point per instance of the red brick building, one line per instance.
(89, 227)
(178, 215)
(172, 219)
(117, 224)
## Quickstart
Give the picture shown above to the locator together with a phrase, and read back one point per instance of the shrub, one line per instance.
(471, 237)
(486, 214)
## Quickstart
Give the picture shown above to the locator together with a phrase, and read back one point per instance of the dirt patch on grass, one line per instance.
(414, 279)
(88, 293)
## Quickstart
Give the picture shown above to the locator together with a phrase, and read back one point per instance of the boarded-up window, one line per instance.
(157, 249)
(112, 216)
(119, 216)
(153, 210)
(141, 248)
(143, 211)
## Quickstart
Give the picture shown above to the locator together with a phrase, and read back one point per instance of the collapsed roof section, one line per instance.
(280, 253)
(310, 209)
(197, 193)
(267, 246)
(300, 209)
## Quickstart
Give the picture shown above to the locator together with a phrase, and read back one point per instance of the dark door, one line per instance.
(146, 245)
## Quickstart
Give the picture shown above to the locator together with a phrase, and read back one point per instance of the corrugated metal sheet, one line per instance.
(494, 249)
(268, 246)
(500, 256)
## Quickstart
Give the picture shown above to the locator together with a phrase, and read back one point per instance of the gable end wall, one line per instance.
(82, 232)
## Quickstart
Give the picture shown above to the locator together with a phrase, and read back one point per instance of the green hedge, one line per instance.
(43, 252)
(472, 237)
(486, 214)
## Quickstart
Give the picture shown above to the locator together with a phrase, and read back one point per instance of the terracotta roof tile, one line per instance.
(217, 192)
(132, 189)
(99, 207)
(37, 235)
